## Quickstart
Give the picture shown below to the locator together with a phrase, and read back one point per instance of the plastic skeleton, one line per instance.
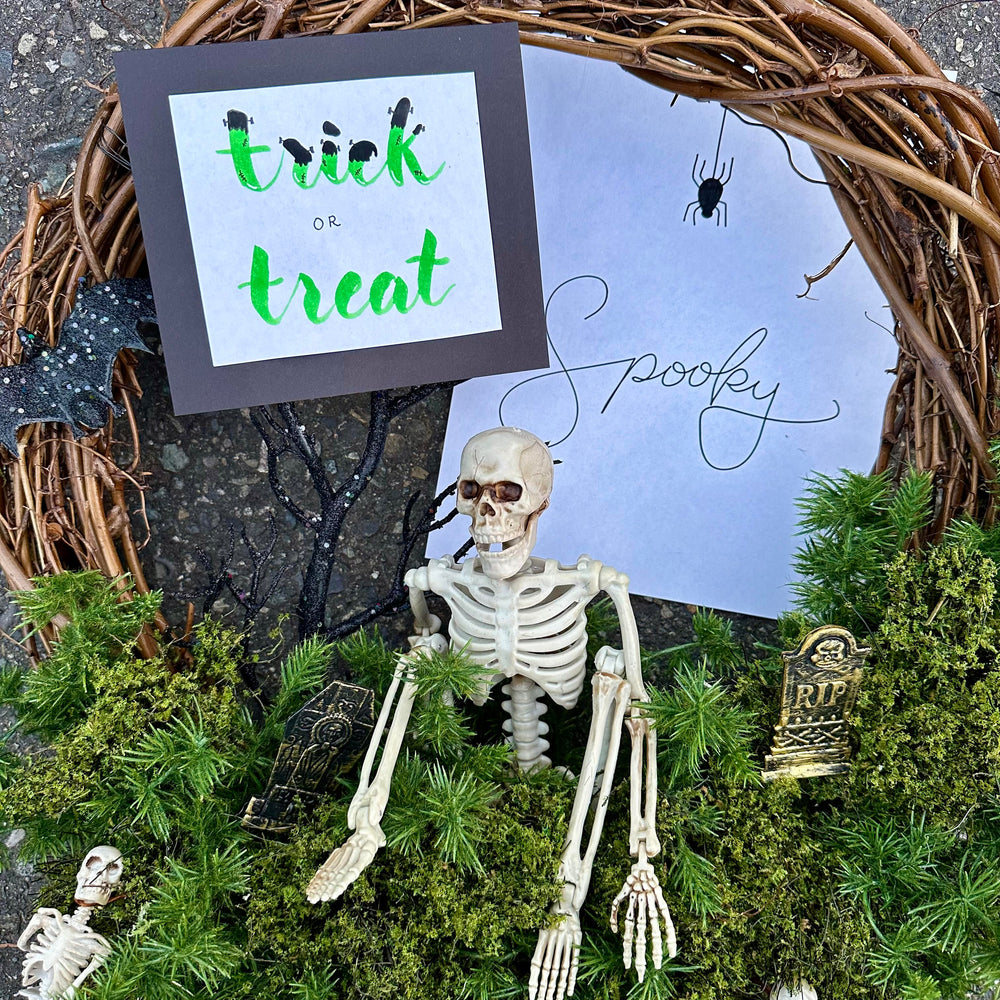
(524, 619)
(65, 950)
(799, 990)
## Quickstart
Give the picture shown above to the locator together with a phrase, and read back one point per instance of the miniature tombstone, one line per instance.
(799, 990)
(65, 950)
(322, 739)
(821, 683)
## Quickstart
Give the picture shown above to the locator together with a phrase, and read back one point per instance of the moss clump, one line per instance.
(413, 925)
(884, 882)
(928, 717)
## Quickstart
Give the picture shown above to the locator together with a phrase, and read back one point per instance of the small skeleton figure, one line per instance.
(799, 990)
(524, 620)
(65, 950)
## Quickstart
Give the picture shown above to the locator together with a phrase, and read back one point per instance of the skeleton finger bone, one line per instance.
(629, 929)
(640, 938)
(654, 932)
(568, 960)
(538, 962)
(667, 920)
(554, 964)
(614, 907)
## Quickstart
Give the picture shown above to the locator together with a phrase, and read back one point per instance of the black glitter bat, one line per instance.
(71, 383)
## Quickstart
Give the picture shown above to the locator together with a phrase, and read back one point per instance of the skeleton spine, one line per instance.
(525, 726)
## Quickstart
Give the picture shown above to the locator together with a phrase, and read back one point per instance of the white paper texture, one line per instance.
(703, 390)
(377, 228)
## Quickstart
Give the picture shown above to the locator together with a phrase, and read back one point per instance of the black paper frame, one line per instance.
(148, 77)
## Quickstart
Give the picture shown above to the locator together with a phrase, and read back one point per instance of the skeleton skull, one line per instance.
(503, 485)
(98, 875)
(799, 990)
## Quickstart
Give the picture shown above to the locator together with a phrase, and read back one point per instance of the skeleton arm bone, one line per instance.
(101, 949)
(35, 924)
(424, 623)
(367, 807)
(646, 906)
(554, 964)
(365, 813)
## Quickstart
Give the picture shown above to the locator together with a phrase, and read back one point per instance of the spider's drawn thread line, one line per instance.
(784, 142)
(718, 145)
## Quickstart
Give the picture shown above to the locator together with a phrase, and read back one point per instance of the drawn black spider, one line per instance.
(710, 188)
(709, 194)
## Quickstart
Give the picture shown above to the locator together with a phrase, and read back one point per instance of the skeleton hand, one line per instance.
(429, 636)
(347, 862)
(557, 954)
(645, 907)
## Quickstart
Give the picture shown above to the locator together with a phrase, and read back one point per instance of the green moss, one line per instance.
(412, 925)
(928, 717)
(881, 883)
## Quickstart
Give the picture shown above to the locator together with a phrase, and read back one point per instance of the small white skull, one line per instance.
(98, 875)
(504, 484)
(800, 990)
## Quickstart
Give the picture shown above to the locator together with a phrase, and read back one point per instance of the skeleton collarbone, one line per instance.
(533, 624)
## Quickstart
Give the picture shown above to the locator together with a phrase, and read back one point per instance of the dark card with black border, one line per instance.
(336, 214)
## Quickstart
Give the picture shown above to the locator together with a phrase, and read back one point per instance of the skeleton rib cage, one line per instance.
(65, 950)
(532, 627)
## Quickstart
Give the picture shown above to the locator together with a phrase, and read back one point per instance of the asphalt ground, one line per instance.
(205, 477)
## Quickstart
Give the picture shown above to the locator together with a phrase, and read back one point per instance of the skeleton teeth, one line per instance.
(485, 548)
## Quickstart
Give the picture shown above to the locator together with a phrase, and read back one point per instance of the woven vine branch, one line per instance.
(913, 160)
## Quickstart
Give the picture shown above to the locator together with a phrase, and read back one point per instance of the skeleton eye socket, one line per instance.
(508, 492)
(469, 489)
(93, 862)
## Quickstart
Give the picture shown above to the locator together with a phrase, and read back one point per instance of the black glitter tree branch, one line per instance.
(252, 598)
(283, 434)
(395, 599)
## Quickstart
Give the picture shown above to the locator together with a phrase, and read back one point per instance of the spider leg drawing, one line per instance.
(710, 188)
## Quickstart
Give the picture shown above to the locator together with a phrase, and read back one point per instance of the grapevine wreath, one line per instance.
(910, 156)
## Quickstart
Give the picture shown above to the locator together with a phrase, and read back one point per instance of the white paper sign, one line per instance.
(692, 389)
(322, 169)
